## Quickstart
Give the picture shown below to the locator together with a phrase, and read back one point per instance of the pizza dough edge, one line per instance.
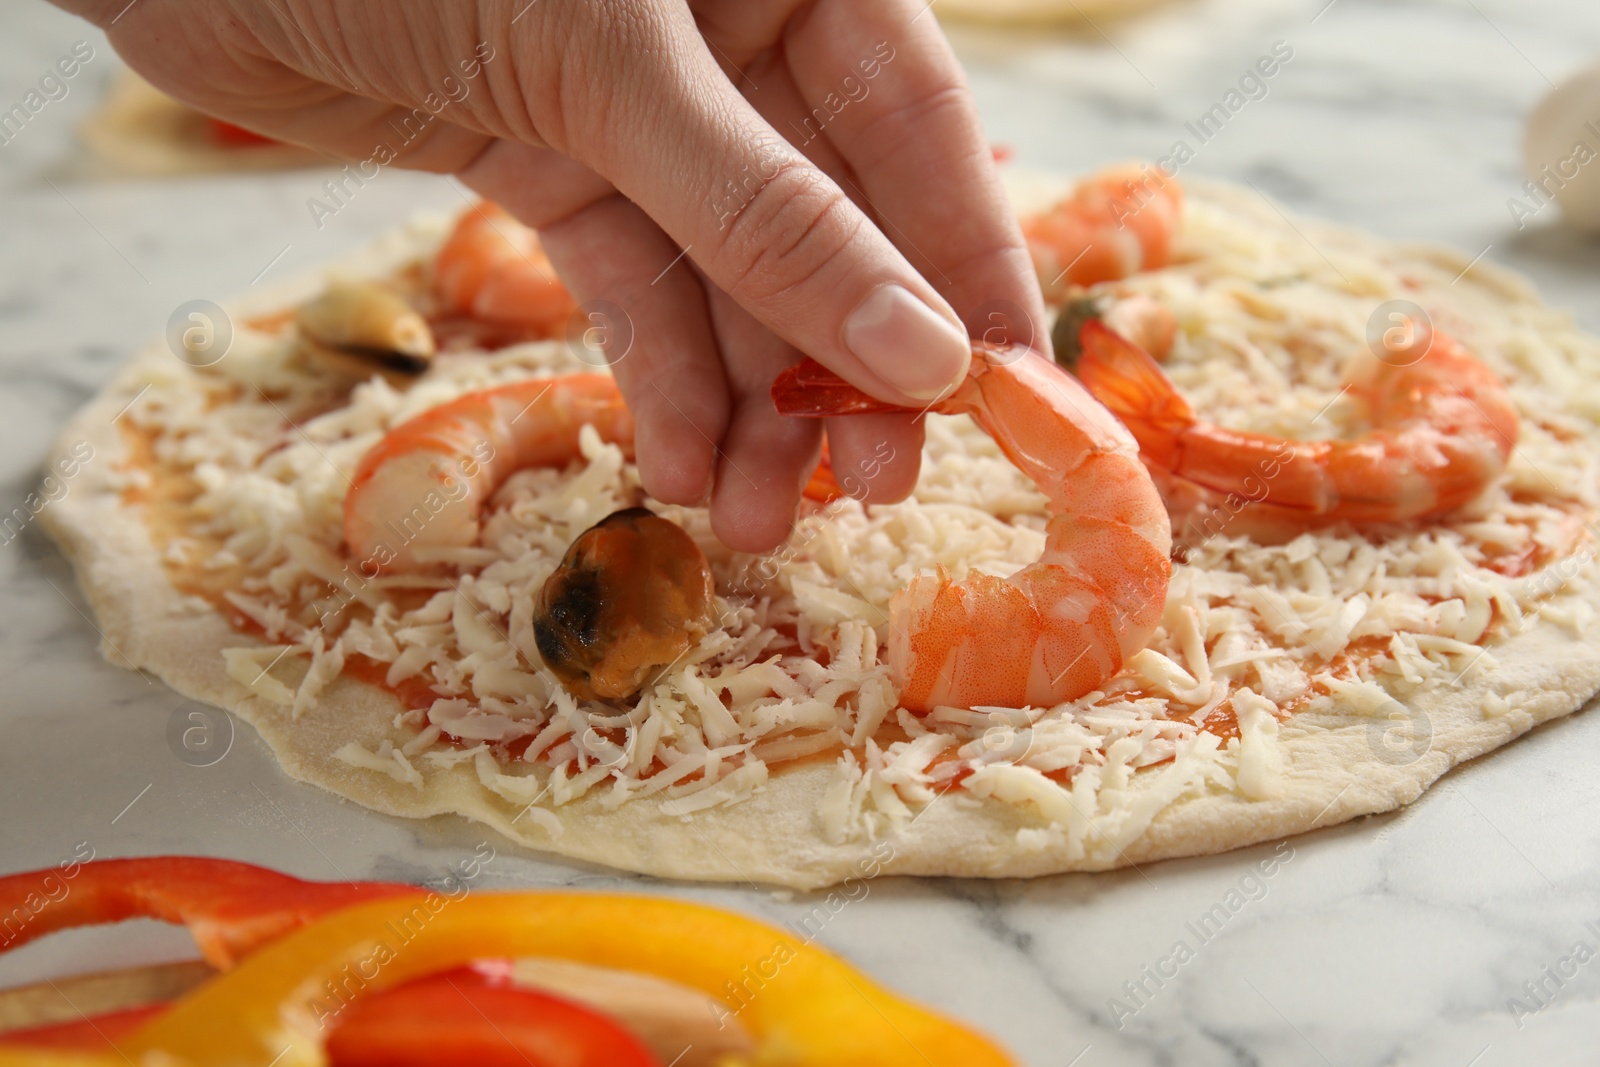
(1331, 773)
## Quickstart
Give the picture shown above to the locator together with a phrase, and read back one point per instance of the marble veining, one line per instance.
(1403, 939)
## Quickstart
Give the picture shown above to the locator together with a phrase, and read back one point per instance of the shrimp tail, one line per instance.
(1125, 378)
(823, 485)
(810, 390)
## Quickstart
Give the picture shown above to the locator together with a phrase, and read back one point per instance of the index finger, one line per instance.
(886, 89)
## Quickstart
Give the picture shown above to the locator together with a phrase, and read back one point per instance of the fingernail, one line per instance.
(907, 343)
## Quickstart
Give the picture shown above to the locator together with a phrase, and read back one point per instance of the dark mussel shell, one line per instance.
(632, 594)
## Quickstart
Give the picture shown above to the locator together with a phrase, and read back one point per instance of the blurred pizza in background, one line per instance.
(141, 130)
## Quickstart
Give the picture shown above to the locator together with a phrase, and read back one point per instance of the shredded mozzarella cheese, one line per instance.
(1251, 631)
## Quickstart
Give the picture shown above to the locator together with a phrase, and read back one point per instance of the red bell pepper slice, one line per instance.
(231, 908)
(464, 1016)
(460, 1017)
(99, 1033)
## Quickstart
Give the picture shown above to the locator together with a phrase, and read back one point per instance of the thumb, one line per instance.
(772, 230)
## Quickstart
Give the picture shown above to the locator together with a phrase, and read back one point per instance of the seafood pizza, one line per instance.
(1291, 522)
(138, 129)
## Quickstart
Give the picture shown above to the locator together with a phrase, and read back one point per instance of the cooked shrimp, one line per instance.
(823, 485)
(1443, 427)
(1064, 624)
(424, 485)
(1113, 224)
(493, 268)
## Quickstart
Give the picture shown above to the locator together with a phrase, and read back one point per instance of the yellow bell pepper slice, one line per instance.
(802, 1005)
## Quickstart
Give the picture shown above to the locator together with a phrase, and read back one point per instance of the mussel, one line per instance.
(361, 327)
(632, 594)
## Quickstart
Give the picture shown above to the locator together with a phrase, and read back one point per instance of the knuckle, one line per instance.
(679, 394)
(944, 104)
(587, 95)
(793, 228)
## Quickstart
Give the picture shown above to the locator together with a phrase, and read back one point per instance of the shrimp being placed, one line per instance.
(424, 485)
(1113, 224)
(492, 268)
(1064, 624)
(1443, 427)
(823, 485)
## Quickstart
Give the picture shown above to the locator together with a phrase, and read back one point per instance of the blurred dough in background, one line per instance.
(1561, 152)
(1063, 12)
(140, 130)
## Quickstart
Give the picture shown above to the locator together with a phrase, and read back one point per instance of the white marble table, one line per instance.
(1394, 940)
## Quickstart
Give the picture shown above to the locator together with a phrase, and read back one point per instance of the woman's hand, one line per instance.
(748, 180)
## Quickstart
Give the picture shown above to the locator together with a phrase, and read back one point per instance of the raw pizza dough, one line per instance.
(1348, 752)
